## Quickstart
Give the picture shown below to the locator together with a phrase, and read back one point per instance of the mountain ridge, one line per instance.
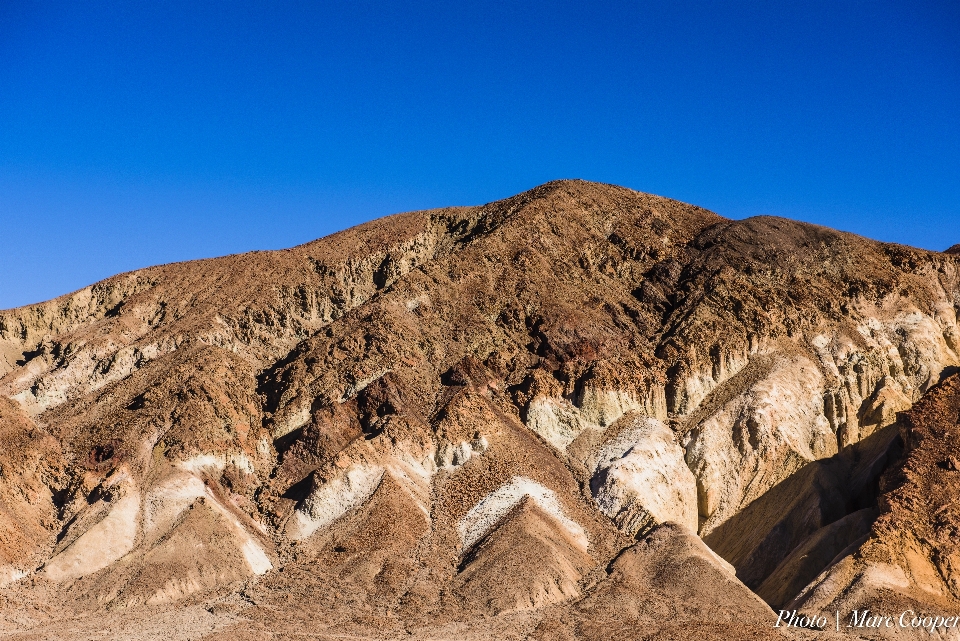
(581, 368)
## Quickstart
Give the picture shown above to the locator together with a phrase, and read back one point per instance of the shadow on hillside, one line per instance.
(758, 538)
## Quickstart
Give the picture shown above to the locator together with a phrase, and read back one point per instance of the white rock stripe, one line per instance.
(485, 515)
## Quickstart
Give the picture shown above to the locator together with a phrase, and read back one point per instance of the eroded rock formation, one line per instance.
(579, 413)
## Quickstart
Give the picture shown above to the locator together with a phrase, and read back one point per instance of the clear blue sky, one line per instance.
(136, 133)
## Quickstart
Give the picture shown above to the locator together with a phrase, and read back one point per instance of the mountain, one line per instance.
(580, 413)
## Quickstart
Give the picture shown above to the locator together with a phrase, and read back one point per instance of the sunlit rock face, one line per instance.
(548, 417)
(758, 437)
(640, 479)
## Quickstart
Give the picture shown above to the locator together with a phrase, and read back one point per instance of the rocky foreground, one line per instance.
(581, 413)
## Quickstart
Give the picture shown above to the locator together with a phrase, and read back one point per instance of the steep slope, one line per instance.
(398, 421)
(30, 465)
(908, 559)
(528, 561)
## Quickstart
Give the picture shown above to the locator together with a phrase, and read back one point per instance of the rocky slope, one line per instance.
(579, 413)
(908, 560)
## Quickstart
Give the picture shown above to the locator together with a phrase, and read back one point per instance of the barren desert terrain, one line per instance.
(578, 414)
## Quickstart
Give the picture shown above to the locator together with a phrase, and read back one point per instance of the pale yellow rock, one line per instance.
(107, 541)
(640, 478)
(559, 421)
(758, 438)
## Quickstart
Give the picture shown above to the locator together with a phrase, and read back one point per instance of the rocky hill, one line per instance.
(580, 413)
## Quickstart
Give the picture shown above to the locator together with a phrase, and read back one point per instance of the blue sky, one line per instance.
(137, 133)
